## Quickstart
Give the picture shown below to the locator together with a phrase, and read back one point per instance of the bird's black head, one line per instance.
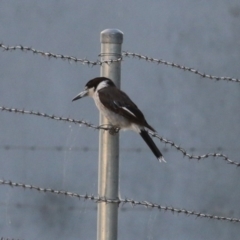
(93, 85)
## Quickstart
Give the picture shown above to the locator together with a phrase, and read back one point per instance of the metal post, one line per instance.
(111, 43)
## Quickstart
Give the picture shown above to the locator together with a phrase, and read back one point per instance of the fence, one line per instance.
(103, 199)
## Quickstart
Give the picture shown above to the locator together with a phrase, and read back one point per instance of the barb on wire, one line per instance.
(172, 64)
(81, 122)
(58, 56)
(132, 202)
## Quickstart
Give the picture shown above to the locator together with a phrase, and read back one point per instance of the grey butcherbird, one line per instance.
(119, 109)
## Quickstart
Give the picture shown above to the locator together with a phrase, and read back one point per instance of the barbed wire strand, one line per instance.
(82, 122)
(124, 54)
(11, 147)
(175, 65)
(53, 117)
(58, 56)
(132, 202)
(190, 156)
(2, 238)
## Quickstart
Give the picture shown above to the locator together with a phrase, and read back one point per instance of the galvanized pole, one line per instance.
(107, 224)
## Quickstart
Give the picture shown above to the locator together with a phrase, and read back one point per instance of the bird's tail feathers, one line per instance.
(149, 127)
(144, 134)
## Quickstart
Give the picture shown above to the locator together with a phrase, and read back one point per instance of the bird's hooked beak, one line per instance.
(81, 95)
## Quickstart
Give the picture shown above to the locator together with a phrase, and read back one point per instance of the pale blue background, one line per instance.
(199, 114)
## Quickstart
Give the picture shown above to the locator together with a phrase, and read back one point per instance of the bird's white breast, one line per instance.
(113, 118)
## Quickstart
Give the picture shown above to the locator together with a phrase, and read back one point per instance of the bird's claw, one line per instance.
(113, 130)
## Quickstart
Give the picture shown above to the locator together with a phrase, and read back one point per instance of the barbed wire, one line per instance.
(155, 135)
(2, 238)
(172, 64)
(58, 56)
(9, 147)
(119, 201)
(124, 54)
(53, 117)
(190, 156)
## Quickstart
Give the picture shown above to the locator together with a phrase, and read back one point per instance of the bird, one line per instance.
(121, 112)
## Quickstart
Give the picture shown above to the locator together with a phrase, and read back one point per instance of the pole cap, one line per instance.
(111, 35)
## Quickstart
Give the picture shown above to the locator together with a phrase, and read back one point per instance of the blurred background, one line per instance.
(199, 114)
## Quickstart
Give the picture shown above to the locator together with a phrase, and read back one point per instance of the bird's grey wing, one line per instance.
(121, 104)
